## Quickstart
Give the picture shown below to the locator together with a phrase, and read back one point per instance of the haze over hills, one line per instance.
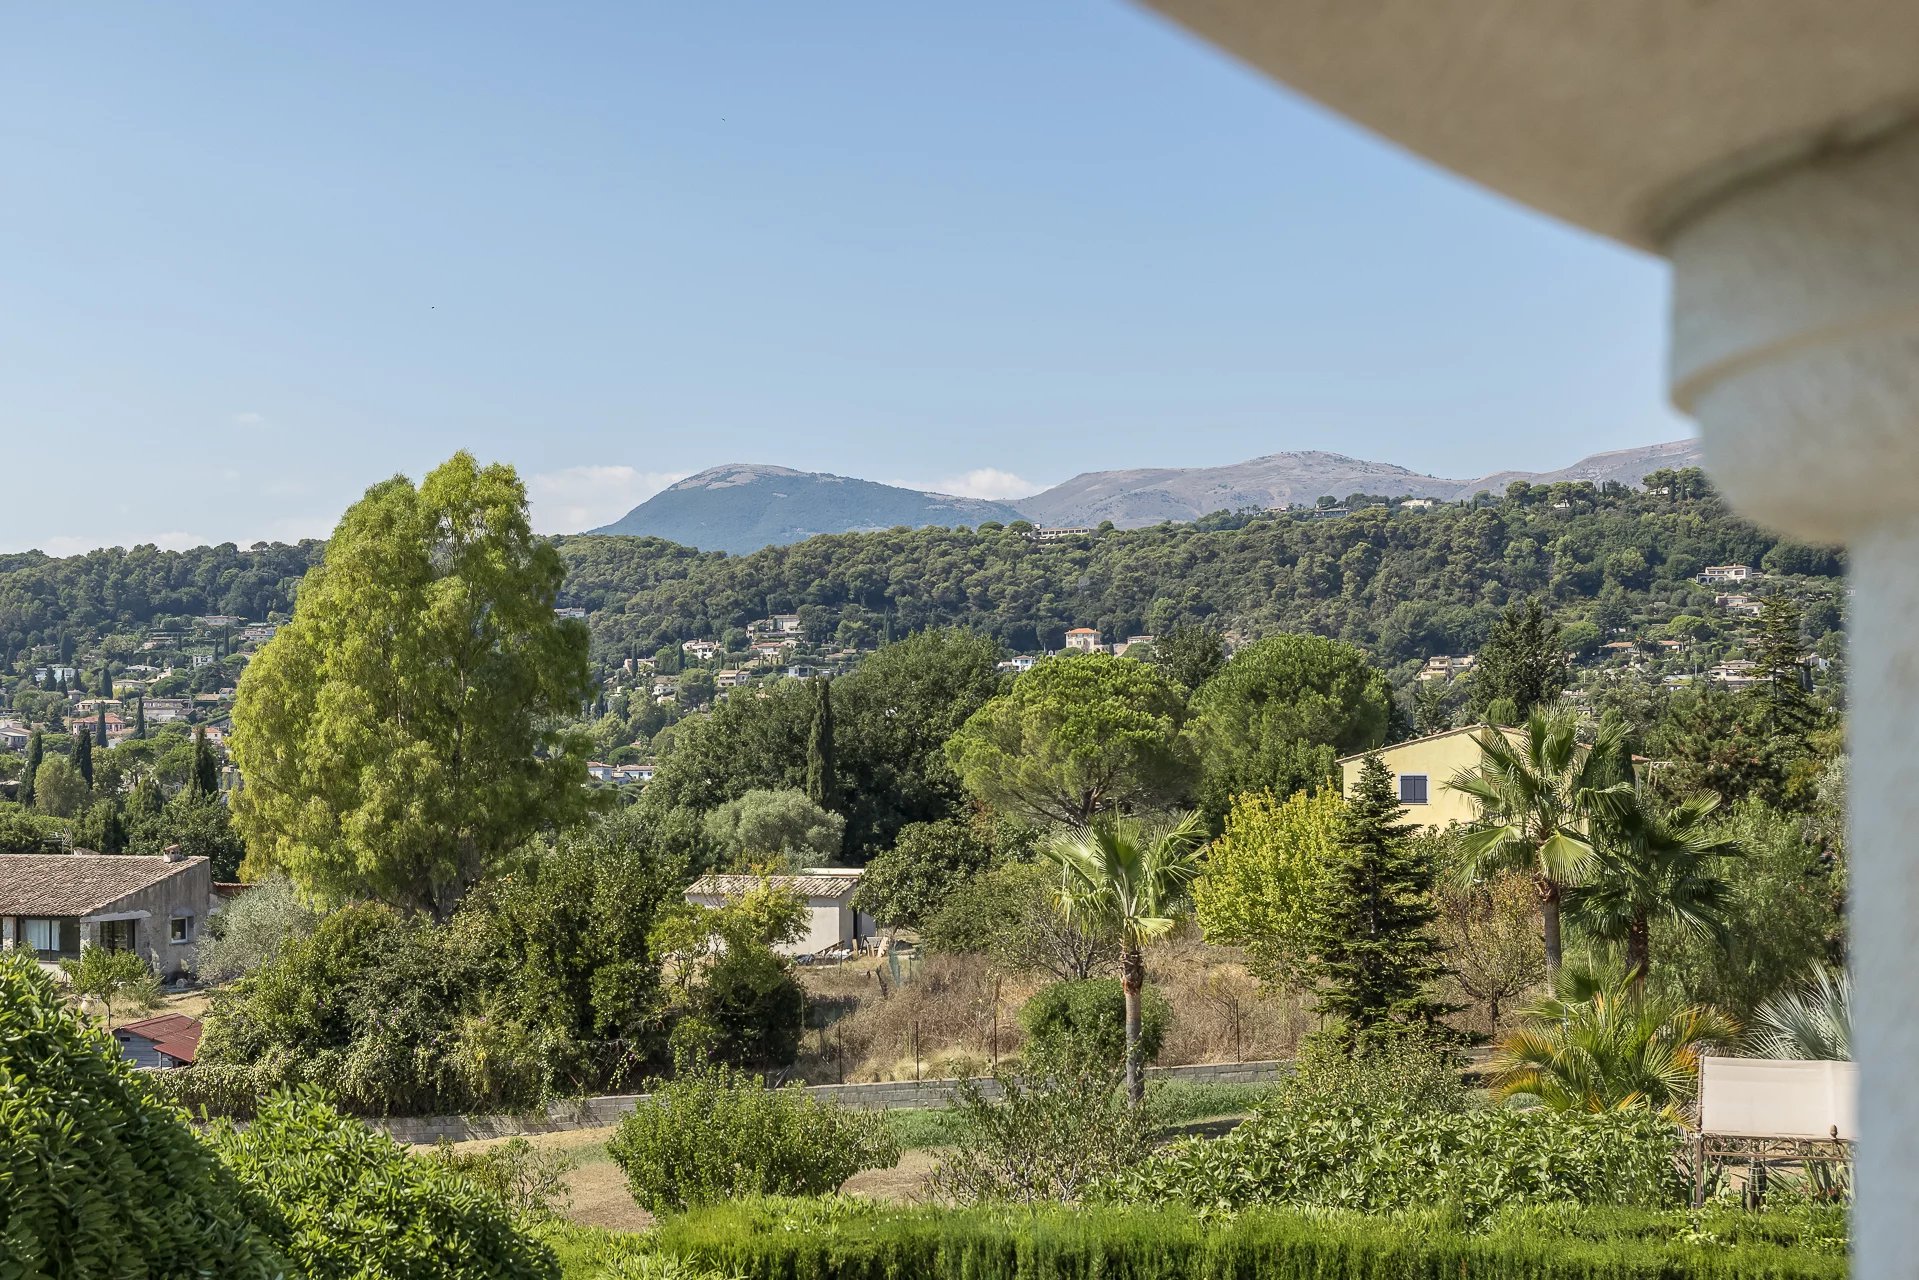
(742, 507)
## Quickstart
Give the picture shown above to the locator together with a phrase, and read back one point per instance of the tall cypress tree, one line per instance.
(36, 748)
(100, 723)
(82, 755)
(206, 770)
(140, 716)
(822, 786)
(106, 678)
(1375, 955)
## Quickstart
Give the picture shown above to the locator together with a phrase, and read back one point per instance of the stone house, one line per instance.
(56, 903)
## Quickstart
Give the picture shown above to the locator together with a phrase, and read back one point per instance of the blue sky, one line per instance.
(254, 258)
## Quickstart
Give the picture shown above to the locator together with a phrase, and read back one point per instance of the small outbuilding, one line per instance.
(170, 1040)
(832, 920)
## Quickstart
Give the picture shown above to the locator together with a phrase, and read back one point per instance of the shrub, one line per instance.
(1058, 1126)
(754, 1006)
(1090, 1016)
(717, 1134)
(341, 1199)
(829, 1240)
(97, 1177)
(251, 930)
(1330, 1153)
(529, 1181)
(213, 1090)
(1403, 1069)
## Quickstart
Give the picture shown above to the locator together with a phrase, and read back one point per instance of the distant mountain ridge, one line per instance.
(742, 507)
(1134, 498)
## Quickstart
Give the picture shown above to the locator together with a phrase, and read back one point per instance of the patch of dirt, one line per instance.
(600, 1198)
(898, 1185)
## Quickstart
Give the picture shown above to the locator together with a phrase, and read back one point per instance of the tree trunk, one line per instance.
(1638, 951)
(1549, 908)
(1132, 980)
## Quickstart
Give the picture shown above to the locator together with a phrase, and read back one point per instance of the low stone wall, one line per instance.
(595, 1113)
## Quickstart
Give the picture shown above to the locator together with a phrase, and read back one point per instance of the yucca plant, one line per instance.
(1812, 1024)
(1127, 877)
(1538, 796)
(1598, 1044)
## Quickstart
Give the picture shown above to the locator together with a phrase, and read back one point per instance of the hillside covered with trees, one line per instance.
(1401, 583)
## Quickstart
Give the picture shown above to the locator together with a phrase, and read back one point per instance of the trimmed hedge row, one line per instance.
(843, 1240)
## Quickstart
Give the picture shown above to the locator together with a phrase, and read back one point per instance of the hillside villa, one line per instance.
(1421, 768)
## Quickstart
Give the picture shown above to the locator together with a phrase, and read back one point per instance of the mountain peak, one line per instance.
(743, 506)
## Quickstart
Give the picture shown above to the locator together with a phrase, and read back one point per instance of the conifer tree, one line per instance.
(1780, 659)
(146, 800)
(106, 678)
(1523, 659)
(36, 748)
(821, 783)
(82, 755)
(140, 717)
(205, 783)
(100, 723)
(1375, 955)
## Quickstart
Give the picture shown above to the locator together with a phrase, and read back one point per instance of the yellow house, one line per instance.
(1421, 769)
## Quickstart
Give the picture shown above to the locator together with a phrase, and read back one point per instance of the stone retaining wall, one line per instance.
(598, 1112)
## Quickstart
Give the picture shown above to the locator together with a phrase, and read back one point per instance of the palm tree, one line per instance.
(1537, 799)
(1600, 1045)
(1812, 1024)
(1655, 860)
(1126, 877)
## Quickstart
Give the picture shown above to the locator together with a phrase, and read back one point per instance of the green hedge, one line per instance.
(844, 1240)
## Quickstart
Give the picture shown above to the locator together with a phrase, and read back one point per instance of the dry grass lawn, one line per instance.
(599, 1197)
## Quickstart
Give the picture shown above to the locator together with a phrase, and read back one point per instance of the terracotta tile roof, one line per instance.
(174, 1034)
(813, 886)
(73, 884)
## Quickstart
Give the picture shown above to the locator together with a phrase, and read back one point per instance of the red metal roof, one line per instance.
(173, 1034)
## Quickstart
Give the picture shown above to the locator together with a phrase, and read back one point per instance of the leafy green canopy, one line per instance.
(765, 826)
(398, 735)
(906, 886)
(96, 1178)
(1077, 735)
(1277, 716)
(1265, 877)
(890, 721)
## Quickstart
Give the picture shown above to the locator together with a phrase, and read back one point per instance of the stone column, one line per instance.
(1796, 345)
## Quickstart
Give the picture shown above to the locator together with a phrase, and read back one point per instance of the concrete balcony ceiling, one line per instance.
(1621, 116)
